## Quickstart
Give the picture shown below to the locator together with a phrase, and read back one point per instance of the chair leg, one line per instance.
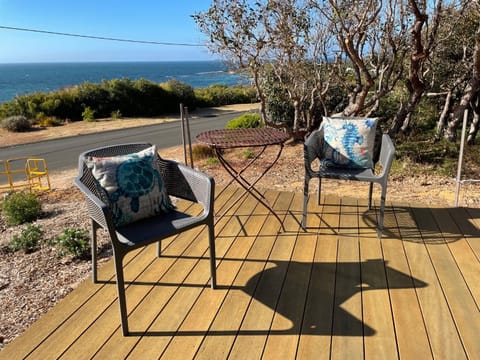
(319, 194)
(159, 248)
(305, 203)
(370, 193)
(94, 226)
(382, 210)
(122, 302)
(213, 267)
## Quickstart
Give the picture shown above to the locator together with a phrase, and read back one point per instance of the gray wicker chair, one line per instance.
(383, 153)
(180, 181)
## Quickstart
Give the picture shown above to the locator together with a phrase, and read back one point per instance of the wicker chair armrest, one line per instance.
(312, 149)
(387, 153)
(97, 209)
(189, 184)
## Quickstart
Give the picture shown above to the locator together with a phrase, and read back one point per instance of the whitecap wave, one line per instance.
(211, 72)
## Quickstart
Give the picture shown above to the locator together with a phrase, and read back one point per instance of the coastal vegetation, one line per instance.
(28, 240)
(115, 98)
(413, 63)
(22, 209)
(245, 121)
(16, 123)
(74, 242)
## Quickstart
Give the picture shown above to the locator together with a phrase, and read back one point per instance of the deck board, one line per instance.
(411, 336)
(456, 292)
(288, 315)
(332, 291)
(315, 339)
(377, 308)
(223, 331)
(347, 317)
(444, 338)
(258, 317)
(206, 307)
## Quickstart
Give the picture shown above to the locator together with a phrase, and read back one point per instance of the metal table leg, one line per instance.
(249, 186)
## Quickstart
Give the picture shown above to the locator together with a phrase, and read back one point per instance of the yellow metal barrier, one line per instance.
(5, 174)
(31, 173)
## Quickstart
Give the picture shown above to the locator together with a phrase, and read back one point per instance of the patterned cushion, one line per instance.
(132, 184)
(349, 142)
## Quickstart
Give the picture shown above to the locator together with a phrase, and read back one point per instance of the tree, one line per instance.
(471, 93)
(423, 40)
(297, 47)
(277, 36)
(233, 33)
(370, 38)
(306, 52)
(451, 61)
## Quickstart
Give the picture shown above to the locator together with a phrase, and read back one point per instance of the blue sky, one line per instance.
(148, 20)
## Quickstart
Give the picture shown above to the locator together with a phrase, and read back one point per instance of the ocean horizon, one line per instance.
(24, 78)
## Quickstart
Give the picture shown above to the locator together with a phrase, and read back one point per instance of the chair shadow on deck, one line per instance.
(418, 224)
(428, 225)
(309, 295)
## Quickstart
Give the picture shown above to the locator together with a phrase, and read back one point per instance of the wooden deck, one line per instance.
(335, 291)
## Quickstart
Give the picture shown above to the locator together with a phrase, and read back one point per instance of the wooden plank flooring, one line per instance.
(334, 291)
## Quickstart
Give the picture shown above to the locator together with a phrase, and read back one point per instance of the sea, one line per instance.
(23, 78)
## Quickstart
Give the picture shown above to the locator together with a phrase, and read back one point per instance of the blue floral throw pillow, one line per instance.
(349, 142)
(132, 184)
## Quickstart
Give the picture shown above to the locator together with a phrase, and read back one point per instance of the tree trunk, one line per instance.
(297, 131)
(471, 93)
(261, 95)
(406, 123)
(404, 111)
(472, 134)
(415, 84)
(443, 116)
(474, 126)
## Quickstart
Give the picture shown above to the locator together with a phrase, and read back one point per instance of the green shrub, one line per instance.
(219, 94)
(88, 114)
(245, 121)
(213, 161)
(28, 240)
(49, 121)
(16, 123)
(116, 114)
(132, 98)
(20, 207)
(418, 154)
(248, 154)
(74, 241)
(178, 93)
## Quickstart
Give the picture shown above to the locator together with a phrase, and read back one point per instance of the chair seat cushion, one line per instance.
(349, 142)
(133, 185)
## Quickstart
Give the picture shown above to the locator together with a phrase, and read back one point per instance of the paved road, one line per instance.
(62, 154)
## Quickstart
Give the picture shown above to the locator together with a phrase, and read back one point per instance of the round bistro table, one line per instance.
(262, 138)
